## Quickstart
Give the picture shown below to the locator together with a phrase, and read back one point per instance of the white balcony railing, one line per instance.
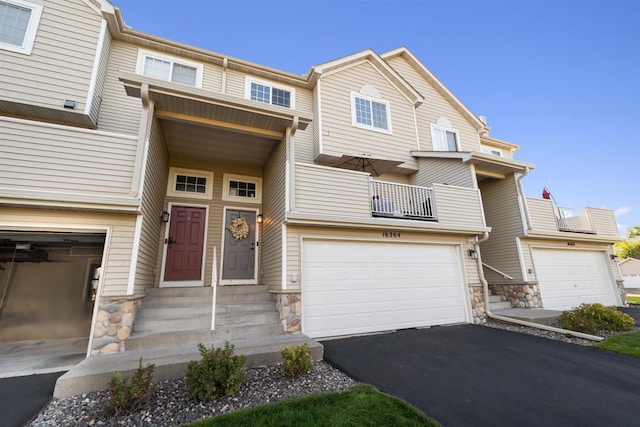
(403, 201)
(571, 219)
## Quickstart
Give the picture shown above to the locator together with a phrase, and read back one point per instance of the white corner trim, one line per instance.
(96, 66)
(135, 250)
(284, 256)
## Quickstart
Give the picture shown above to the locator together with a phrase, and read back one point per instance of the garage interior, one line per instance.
(48, 284)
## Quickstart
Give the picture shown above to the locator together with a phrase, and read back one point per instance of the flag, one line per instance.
(546, 194)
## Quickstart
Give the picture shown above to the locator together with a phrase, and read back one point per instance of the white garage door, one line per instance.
(569, 278)
(359, 287)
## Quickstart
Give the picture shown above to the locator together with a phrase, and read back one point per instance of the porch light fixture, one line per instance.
(614, 257)
(164, 216)
(259, 218)
(473, 254)
(69, 104)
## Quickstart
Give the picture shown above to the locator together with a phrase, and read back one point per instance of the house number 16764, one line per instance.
(391, 234)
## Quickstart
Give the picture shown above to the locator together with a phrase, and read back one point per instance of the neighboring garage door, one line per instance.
(569, 278)
(359, 287)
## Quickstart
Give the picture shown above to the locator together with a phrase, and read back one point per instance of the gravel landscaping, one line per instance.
(170, 405)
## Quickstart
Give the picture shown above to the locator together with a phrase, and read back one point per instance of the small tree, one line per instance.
(630, 248)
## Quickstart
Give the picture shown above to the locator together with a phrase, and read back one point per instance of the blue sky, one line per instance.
(560, 78)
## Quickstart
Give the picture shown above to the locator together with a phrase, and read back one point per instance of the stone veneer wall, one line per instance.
(520, 296)
(113, 324)
(623, 292)
(289, 310)
(477, 305)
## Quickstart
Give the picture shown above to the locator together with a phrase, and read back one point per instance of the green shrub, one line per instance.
(219, 373)
(129, 393)
(591, 318)
(296, 360)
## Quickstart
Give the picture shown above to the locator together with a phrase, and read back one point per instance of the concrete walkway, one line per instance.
(469, 375)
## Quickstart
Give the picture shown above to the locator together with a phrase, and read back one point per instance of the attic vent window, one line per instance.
(169, 68)
(370, 91)
(269, 93)
(18, 25)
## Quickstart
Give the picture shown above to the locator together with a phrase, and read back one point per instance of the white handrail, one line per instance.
(505, 275)
(214, 280)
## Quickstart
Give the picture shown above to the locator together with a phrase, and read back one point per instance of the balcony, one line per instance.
(547, 218)
(402, 201)
(330, 195)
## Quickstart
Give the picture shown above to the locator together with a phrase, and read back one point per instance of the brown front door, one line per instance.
(185, 244)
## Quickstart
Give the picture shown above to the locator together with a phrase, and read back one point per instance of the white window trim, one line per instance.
(490, 150)
(225, 188)
(171, 185)
(32, 27)
(247, 90)
(143, 53)
(446, 129)
(354, 118)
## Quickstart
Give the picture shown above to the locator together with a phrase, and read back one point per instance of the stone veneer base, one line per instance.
(113, 323)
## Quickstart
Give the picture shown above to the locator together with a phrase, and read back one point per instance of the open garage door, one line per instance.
(568, 278)
(360, 287)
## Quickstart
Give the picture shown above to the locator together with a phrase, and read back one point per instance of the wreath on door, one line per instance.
(239, 228)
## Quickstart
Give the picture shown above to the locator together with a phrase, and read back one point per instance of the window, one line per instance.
(262, 91)
(370, 113)
(444, 139)
(168, 68)
(242, 188)
(190, 183)
(491, 150)
(18, 25)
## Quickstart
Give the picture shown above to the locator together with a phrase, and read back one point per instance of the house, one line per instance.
(139, 176)
(630, 271)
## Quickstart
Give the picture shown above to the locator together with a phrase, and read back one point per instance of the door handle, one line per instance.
(253, 246)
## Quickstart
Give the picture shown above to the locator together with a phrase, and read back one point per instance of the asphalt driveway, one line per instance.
(21, 398)
(469, 375)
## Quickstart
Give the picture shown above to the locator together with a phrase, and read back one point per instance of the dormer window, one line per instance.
(444, 137)
(169, 68)
(269, 93)
(491, 150)
(369, 111)
(18, 25)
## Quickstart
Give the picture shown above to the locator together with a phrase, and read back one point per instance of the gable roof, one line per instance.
(377, 62)
(437, 84)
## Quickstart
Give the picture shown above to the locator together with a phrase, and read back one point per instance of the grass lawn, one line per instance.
(362, 405)
(628, 344)
(634, 299)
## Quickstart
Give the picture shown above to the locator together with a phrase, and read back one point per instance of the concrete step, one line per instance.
(171, 362)
(244, 298)
(495, 298)
(199, 291)
(246, 318)
(499, 305)
(180, 324)
(535, 315)
(242, 289)
(265, 306)
(157, 313)
(168, 338)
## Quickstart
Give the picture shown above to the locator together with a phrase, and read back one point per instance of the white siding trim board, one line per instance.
(96, 68)
(134, 255)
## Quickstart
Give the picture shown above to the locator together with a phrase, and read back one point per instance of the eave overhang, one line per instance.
(485, 164)
(184, 103)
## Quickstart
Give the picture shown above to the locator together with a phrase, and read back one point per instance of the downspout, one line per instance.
(291, 159)
(487, 308)
(523, 199)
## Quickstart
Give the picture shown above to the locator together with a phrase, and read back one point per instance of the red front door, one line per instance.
(185, 244)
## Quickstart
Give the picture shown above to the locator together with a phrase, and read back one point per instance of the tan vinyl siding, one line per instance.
(101, 77)
(43, 157)
(296, 234)
(235, 83)
(542, 215)
(503, 215)
(443, 171)
(339, 136)
(604, 222)
(118, 259)
(303, 144)
(433, 108)
(155, 188)
(273, 202)
(331, 191)
(458, 206)
(59, 68)
(212, 78)
(119, 112)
